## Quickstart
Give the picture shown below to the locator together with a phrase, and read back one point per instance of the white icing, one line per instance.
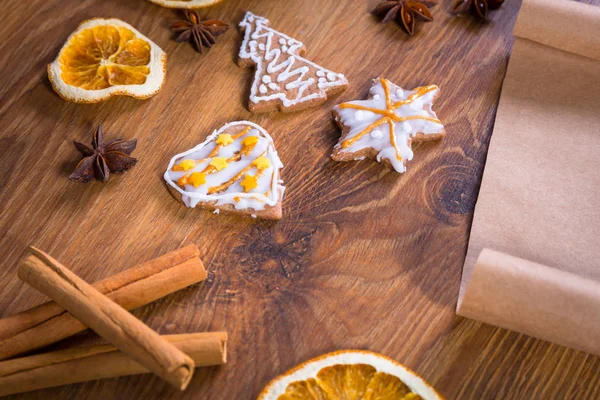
(262, 89)
(268, 181)
(266, 79)
(273, 86)
(281, 56)
(415, 106)
(379, 137)
(261, 46)
(376, 134)
(360, 115)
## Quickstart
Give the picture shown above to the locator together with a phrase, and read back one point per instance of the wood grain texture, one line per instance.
(363, 257)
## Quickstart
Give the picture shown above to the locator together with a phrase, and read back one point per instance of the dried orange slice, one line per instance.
(349, 375)
(105, 58)
(185, 3)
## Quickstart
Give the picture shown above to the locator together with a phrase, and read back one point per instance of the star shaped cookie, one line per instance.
(384, 126)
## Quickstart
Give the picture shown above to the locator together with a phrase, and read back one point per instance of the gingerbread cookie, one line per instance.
(235, 170)
(384, 126)
(283, 80)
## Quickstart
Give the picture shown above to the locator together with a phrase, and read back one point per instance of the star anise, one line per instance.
(405, 12)
(102, 159)
(478, 8)
(200, 33)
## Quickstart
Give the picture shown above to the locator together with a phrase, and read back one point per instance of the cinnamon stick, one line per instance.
(106, 318)
(100, 362)
(135, 287)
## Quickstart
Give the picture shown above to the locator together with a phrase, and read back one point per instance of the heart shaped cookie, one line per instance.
(235, 170)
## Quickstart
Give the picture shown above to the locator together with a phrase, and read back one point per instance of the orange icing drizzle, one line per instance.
(184, 180)
(238, 198)
(238, 176)
(389, 116)
(242, 132)
(246, 150)
(210, 169)
(215, 151)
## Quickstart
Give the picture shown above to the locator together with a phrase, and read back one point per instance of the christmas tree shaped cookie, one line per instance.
(384, 126)
(283, 80)
(236, 170)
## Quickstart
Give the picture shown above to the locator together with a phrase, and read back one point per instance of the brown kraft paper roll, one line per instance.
(538, 207)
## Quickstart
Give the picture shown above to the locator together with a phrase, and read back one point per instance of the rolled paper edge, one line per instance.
(533, 299)
(564, 25)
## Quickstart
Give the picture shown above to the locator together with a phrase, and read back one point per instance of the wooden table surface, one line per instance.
(363, 258)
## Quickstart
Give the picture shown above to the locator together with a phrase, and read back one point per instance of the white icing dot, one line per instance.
(273, 86)
(320, 73)
(405, 126)
(284, 48)
(376, 134)
(262, 89)
(252, 43)
(331, 76)
(360, 115)
(399, 93)
(261, 46)
(266, 78)
(290, 42)
(376, 97)
(282, 41)
(322, 80)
